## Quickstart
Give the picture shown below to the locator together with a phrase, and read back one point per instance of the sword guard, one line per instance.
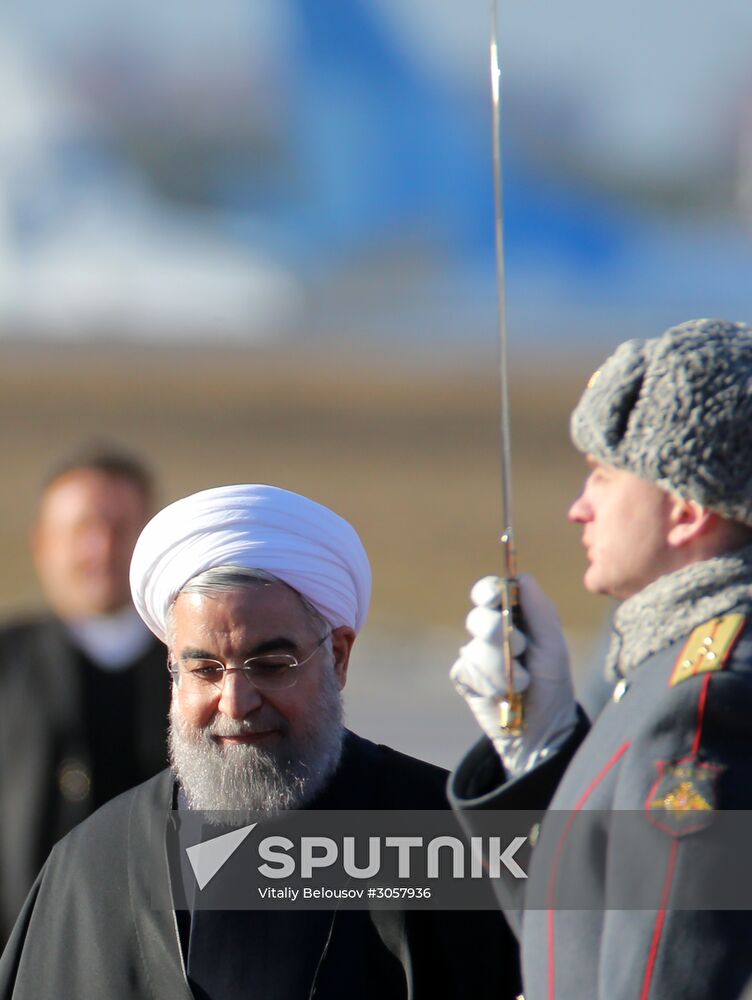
(512, 714)
(512, 706)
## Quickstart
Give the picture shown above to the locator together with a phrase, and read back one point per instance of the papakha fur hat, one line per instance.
(677, 410)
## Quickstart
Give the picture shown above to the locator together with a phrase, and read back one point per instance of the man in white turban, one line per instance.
(237, 554)
(259, 594)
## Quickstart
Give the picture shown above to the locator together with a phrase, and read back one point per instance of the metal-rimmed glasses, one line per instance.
(269, 672)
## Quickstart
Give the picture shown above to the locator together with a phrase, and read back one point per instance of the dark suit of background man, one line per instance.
(83, 697)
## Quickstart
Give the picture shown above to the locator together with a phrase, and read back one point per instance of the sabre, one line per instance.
(511, 707)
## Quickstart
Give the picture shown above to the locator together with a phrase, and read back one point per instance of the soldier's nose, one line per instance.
(579, 510)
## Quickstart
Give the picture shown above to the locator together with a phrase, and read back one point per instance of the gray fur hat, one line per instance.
(677, 410)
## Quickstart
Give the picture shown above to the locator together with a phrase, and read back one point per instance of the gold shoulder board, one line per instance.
(708, 648)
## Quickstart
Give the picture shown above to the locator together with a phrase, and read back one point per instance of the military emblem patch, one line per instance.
(708, 647)
(684, 797)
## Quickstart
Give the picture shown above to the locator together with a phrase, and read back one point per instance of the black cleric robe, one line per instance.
(72, 736)
(99, 920)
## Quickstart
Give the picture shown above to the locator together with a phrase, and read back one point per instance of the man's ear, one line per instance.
(342, 644)
(688, 521)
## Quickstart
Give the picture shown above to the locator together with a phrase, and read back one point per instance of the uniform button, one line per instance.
(74, 780)
(620, 690)
(534, 834)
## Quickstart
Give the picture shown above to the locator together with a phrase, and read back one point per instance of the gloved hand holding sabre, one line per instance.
(479, 674)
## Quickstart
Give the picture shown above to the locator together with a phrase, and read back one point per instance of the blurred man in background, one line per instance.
(83, 698)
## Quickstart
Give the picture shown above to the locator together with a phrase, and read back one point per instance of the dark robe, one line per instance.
(72, 736)
(99, 921)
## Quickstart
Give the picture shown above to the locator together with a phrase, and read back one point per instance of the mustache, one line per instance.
(221, 725)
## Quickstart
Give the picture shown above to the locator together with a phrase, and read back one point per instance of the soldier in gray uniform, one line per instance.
(666, 513)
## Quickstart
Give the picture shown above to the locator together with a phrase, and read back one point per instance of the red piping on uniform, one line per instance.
(701, 714)
(559, 851)
(661, 918)
(660, 921)
(597, 780)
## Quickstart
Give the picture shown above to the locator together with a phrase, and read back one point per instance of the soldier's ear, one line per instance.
(688, 521)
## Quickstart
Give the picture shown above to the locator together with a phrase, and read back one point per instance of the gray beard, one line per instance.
(249, 778)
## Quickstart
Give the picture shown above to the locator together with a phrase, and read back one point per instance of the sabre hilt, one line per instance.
(511, 706)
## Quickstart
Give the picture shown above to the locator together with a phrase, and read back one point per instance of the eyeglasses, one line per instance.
(270, 672)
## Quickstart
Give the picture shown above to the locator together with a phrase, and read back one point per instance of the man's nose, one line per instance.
(99, 543)
(238, 697)
(579, 511)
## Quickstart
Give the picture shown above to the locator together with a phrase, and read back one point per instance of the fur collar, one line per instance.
(674, 605)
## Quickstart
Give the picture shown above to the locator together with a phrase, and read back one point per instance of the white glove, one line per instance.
(550, 712)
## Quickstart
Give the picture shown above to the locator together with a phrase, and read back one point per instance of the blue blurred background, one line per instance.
(321, 169)
(308, 182)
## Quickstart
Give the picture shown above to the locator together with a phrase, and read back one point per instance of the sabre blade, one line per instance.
(511, 707)
(504, 411)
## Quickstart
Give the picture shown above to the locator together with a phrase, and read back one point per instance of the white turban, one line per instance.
(306, 545)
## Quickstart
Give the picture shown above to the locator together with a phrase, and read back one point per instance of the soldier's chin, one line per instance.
(593, 582)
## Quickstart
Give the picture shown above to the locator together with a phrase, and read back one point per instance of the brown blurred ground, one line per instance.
(409, 455)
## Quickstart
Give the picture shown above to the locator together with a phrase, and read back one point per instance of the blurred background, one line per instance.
(254, 242)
